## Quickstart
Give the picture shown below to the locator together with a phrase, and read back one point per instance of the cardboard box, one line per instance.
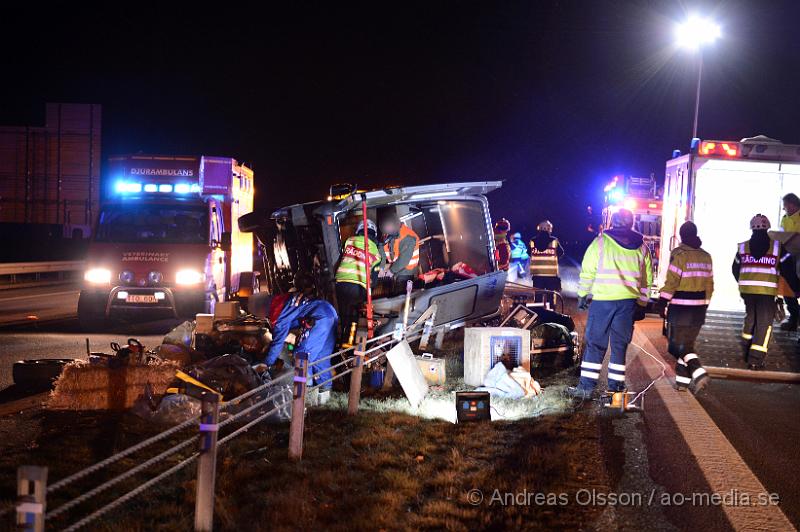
(227, 310)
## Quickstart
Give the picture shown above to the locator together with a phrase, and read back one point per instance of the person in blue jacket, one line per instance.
(318, 320)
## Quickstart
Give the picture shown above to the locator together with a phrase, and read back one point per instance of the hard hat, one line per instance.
(546, 225)
(759, 223)
(370, 227)
(502, 225)
(622, 219)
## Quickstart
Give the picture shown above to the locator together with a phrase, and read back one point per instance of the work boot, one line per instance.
(699, 384)
(755, 367)
(789, 325)
(576, 392)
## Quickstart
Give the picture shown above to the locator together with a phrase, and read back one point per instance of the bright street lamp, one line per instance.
(693, 35)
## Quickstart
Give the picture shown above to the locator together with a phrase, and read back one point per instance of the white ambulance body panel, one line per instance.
(721, 195)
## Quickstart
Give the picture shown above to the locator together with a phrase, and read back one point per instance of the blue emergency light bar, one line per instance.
(128, 187)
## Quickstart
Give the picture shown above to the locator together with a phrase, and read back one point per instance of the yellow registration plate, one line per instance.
(141, 298)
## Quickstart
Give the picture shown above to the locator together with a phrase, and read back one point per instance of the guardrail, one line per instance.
(18, 274)
(32, 489)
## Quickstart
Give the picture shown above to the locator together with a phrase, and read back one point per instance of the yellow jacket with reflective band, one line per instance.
(791, 223)
(690, 277)
(759, 276)
(611, 272)
(353, 267)
(545, 263)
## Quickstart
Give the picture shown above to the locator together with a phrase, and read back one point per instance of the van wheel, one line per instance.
(38, 374)
(89, 318)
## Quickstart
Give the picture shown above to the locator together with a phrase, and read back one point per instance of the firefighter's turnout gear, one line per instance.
(501, 229)
(756, 267)
(687, 291)
(545, 252)
(617, 272)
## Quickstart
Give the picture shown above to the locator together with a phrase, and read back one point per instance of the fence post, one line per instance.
(31, 506)
(298, 407)
(355, 377)
(207, 463)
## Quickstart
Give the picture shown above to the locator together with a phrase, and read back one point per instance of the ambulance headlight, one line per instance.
(186, 277)
(97, 276)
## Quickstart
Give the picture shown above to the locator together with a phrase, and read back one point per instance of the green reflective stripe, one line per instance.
(352, 269)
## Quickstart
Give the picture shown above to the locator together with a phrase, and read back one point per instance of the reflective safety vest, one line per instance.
(611, 272)
(503, 249)
(759, 276)
(353, 266)
(690, 277)
(544, 263)
(393, 251)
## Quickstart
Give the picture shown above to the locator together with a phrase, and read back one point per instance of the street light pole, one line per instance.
(697, 96)
(692, 35)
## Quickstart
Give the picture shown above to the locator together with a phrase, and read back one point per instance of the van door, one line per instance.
(215, 268)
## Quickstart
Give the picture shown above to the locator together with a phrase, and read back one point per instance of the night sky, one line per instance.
(554, 97)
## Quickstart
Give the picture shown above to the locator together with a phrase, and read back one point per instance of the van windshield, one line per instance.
(169, 224)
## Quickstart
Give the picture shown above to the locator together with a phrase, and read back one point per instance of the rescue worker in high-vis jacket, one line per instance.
(317, 320)
(687, 292)
(351, 275)
(400, 251)
(617, 272)
(790, 285)
(501, 229)
(757, 268)
(520, 260)
(545, 252)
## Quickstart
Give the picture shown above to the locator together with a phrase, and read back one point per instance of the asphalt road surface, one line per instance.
(44, 303)
(762, 421)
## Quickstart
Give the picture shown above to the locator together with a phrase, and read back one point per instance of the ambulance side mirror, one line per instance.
(225, 241)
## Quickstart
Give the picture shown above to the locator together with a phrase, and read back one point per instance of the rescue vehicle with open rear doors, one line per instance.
(720, 185)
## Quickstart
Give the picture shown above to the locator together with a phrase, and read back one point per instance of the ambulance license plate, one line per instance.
(141, 298)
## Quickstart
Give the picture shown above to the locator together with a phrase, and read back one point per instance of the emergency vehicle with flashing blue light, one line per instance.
(166, 242)
(720, 185)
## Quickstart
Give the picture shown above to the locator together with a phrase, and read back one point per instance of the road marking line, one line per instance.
(718, 460)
